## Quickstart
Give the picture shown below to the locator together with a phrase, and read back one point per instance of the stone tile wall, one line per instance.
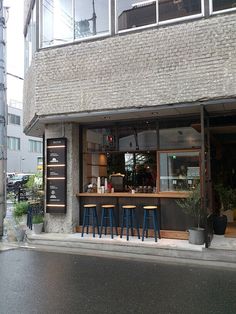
(177, 63)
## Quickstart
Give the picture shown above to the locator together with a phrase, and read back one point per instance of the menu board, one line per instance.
(56, 175)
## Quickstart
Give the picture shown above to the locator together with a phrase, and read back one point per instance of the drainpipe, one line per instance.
(3, 110)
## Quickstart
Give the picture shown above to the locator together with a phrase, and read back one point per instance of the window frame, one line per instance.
(220, 11)
(18, 141)
(159, 152)
(74, 40)
(15, 117)
(35, 144)
(170, 21)
(135, 28)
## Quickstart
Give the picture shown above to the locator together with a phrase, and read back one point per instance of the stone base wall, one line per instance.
(66, 223)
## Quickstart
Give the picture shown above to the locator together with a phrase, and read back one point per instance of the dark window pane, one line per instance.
(131, 14)
(172, 9)
(219, 5)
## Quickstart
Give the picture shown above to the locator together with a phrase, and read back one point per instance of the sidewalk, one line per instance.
(221, 253)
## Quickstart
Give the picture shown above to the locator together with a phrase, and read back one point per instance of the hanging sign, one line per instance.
(56, 176)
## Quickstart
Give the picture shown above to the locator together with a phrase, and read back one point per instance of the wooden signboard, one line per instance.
(56, 175)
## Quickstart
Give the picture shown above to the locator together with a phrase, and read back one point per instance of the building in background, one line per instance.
(142, 89)
(24, 153)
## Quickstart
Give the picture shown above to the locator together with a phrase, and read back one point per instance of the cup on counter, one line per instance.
(102, 189)
(112, 190)
(133, 191)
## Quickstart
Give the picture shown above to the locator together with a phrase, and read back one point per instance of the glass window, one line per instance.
(219, 5)
(13, 143)
(57, 22)
(137, 138)
(122, 170)
(182, 137)
(13, 119)
(91, 18)
(172, 9)
(103, 139)
(132, 14)
(30, 39)
(35, 146)
(179, 171)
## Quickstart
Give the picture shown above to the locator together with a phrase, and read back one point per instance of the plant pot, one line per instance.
(219, 224)
(38, 228)
(20, 234)
(196, 236)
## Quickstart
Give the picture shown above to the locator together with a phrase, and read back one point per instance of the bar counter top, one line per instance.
(127, 194)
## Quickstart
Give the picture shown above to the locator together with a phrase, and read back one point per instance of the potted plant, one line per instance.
(191, 205)
(20, 217)
(227, 200)
(37, 222)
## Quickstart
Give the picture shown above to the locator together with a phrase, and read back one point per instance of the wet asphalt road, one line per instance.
(41, 282)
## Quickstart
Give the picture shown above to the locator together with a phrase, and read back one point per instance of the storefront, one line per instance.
(144, 162)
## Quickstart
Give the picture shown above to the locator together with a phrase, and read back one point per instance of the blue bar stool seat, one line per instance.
(90, 214)
(108, 213)
(128, 217)
(146, 216)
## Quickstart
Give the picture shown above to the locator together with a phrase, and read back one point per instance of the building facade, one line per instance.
(137, 88)
(24, 153)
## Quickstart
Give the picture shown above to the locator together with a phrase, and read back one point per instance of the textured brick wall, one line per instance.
(176, 63)
(29, 95)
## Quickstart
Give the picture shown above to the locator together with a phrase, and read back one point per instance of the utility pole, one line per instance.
(3, 106)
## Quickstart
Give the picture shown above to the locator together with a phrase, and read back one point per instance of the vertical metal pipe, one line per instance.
(203, 173)
(3, 137)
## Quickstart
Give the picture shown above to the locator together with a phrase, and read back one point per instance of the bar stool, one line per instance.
(146, 217)
(87, 216)
(128, 216)
(108, 213)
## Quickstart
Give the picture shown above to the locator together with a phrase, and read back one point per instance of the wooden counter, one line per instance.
(136, 195)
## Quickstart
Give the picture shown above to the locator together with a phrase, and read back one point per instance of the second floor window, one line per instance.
(220, 5)
(67, 20)
(13, 119)
(35, 146)
(13, 143)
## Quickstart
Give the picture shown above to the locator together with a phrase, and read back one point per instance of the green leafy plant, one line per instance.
(191, 205)
(227, 197)
(34, 187)
(20, 209)
(37, 219)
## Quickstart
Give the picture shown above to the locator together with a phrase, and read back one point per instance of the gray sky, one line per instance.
(15, 48)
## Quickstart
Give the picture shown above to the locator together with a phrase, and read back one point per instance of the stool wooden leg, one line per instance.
(136, 220)
(93, 221)
(154, 225)
(87, 220)
(158, 225)
(127, 225)
(82, 234)
(147, 223)
(114, 220)
(96, 217)
(102, 222)
(131, 222)
(144, 223)
(122, 222)
(111, 222)
(105, 222)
